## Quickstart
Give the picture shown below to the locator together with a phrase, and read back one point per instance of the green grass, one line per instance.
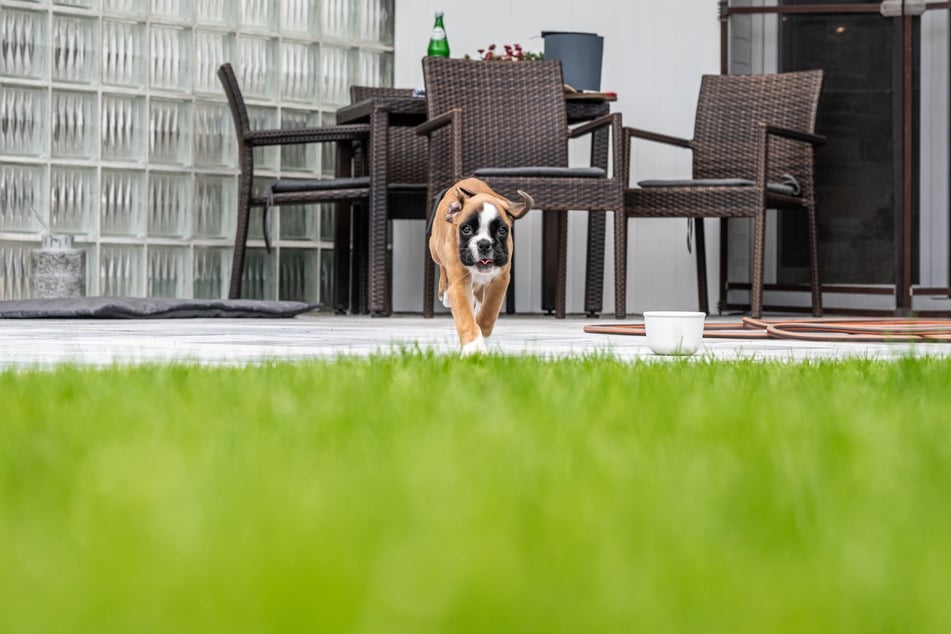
(430, 494)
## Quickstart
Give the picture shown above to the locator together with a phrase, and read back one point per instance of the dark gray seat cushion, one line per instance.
(293, 185)
(788, 186)
(147, 308)
(551, 172)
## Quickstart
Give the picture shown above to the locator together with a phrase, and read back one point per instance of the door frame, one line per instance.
(902, 289)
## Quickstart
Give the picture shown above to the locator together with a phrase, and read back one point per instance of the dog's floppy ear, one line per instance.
(517, 210)
(455, 206)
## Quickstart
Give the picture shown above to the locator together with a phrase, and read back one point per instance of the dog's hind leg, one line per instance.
(444, 288)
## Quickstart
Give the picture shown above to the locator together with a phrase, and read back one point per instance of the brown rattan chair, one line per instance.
(407, 176)
(283, 191)
(753, 150)
(506, 123)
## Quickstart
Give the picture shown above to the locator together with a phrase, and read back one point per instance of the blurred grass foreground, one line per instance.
(416, 493)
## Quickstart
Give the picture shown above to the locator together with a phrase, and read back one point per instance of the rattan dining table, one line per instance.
(383, 113)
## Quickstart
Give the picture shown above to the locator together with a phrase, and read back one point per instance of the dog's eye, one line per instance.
(466, 230)
(503, 231)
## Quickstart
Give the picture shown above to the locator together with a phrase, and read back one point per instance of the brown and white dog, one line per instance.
(471, 242)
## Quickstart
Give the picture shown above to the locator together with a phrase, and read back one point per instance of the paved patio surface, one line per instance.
(97, 342)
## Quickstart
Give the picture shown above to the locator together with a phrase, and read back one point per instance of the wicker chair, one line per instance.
(283, 191)
(506, 124)
(407, 173)
(752, 151)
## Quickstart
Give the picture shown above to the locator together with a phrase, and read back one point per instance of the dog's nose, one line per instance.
(485, 246)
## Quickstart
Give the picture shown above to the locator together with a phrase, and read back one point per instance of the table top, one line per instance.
(412, 110)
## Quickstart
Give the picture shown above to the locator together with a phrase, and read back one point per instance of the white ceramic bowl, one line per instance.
(673, 331)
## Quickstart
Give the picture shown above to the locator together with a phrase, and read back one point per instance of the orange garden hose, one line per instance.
(827, 329)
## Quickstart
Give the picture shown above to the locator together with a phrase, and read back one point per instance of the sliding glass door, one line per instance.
(882, 180)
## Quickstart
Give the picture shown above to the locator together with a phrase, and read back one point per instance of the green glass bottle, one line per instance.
(438, 44)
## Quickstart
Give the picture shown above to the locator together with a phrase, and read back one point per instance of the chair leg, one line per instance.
(814, 264)
(359, 284)
(594, 266)
(342, 257)
(562, 281)
(756, 275)
(620, 264)
(550, 240)
(701, 251)
(241, 231)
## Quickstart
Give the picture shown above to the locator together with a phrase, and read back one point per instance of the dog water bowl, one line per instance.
(673, 332)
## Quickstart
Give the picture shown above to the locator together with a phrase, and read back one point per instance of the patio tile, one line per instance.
(94, 342)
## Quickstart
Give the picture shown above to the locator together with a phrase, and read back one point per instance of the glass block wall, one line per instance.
(114, 129)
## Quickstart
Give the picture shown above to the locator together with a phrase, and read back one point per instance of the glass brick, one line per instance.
(336, 18)
(120, 270)
(255, 226)
(74, 49)
(122, 128)
(170, 199)
(73, 125)
(261, 118)
(170, 57)
(212, 49)
(14, 270)
(171, 10)
(211, 272)
(298, 278)
(22, 198)
(122, 203)
(328, 151)
(258, 275)
(336, 74)
(326, 276)
(299, 72)
(23, 45)
(374, 68)
(258, 15)
(215, 206)
(78, 4)
(24, 117)
(301, 157)
(257, 59)
(298, 222)
(72, 199)
(214, 136)
(168, 272)
(123, 53)
(215, 12)
(374, 21)
(300, 16)
(327, 216)
(131, 8)
(170, 132)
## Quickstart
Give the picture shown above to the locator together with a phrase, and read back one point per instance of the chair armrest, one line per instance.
(590, 126)
(654, 136)
(439, 121)
(290, 136)
(815, 139)
(453, 119)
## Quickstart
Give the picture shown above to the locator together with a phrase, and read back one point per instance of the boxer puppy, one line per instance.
(471, 242)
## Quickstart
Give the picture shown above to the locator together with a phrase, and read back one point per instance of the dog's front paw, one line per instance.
(476, 346)
(444, 298)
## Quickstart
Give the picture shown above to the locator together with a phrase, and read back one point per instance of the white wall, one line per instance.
(654, 54)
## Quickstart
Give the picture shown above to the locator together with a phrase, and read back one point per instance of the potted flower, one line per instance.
(512, 53)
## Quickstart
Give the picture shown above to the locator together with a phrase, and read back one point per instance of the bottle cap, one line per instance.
(439, 14)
